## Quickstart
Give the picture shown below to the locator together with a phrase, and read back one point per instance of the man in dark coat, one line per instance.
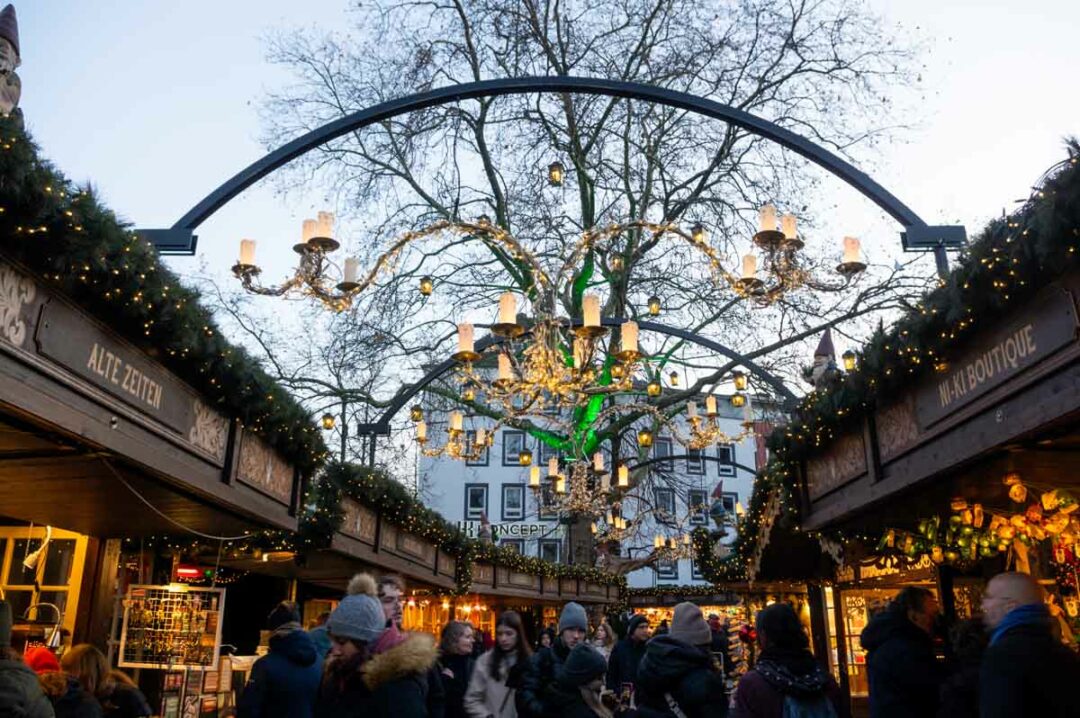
(285, 682)
(1025, 670)
(721, 644)
(391, 593)
(678, 669)
(905, 678)
(541, 695)
(627, 654)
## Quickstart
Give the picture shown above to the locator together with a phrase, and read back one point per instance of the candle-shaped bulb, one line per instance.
(560, 485)
(629, 336)
(851, 249)
(747, 411)
(749, 266)
(352, 268)
(605, 483)
(590, 307)
(324, 225)
(534, 477)
(691, 409)
(247, 251)
(710, 405)
(686, 539)
(507, 308)
(481, 437)
(457, 421)
(767, 218)
(308, 229)
(598, 462)
(788, 223)
(465, 338)
(421, 431)
(624, 476)
(506, 372)
(553, 466)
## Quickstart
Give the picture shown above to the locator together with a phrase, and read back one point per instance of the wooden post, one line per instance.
(99, 585)
(818, 621)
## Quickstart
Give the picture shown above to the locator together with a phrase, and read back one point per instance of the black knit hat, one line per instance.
(284, 612)
(583, 665)
(636, 620)
(5, 624)
(9, 27)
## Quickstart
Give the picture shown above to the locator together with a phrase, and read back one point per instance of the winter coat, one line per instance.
(20, 692)
(540, 695)
(392, 683)
(960, 693)
(321, 638)
(1027, 672)
(456, 673)
(490, 697)
(905, 678)
(762, 691)
(67, 696)
(623, 663)
(285, 682)
(125, 701)
(687, 673)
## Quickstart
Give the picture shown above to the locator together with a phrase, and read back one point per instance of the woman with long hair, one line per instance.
(604, 639)
(367, 673)
(497, 673)
(117, 694)
(456, 663)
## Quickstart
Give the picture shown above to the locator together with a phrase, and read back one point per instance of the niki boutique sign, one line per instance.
(1046, 325)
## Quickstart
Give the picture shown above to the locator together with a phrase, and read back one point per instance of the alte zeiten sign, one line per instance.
(1043, 327)
(125, 376)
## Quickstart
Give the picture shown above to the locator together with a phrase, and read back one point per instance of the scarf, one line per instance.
(1033, 614)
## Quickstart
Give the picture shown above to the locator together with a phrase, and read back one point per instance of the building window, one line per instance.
(662, 449)
(730, 500)
(546, 453)
(515, 545)
(695, 572)
(56, 580)
(667, 569)
(476, 501)
(546, 499)
(665, 505)
(726, 454)
(513, 443)
(697, 501)
(513, 502)
(550, 550)
(485, 455)
(695, 462)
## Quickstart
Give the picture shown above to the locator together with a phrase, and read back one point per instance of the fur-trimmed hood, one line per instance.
(415, 655)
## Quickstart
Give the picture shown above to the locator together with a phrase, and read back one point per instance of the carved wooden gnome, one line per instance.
(824, 369)
(10, 59)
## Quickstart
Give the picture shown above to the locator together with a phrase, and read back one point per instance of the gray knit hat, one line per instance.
(688, 625)
(359, 617)
(573, 616)
(582, 665)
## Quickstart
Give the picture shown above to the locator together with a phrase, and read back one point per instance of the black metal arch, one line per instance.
(702, 457)
(180, 239)
(382, 425)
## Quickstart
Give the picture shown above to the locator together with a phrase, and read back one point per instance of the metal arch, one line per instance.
(702, 457)
(180, 238)
(382, 426)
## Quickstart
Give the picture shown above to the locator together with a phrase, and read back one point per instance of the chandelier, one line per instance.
(460, 444)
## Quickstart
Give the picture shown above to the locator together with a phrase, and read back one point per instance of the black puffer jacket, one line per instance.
(623, 663)
(20, 693)
(540, 695)
(905, 678)
(687, 673)
(1028, 672)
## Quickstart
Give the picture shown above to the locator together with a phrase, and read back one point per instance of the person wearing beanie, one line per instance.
(580, 684)
(20, 692)
(539, 695)
(626, 656)
(285, 682)
(678, 671)
(373, 669)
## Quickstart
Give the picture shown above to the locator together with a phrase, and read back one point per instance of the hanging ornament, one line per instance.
(977, 515)
(1018, 492)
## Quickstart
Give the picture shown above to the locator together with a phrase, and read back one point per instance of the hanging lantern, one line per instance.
(1018, 493)
(850, 360)
(645, 438)
(624, 476)
(525, 457)
(556, 174)
(617, 263)
(469, 394)
(653, 388)
(654, 305)
(617, 371)
(740, 380)
(416, 413)
(698, 233)
(738, 400)
(328, 421)
(427, 286)
(674, 378)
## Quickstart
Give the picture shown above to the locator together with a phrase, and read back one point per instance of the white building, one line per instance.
(495, 486)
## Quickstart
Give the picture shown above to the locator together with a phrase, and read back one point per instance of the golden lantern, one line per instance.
(616, 263)
(416, 413)
(427, 285)
(698, 233)
(616, 371)
(654, 305)
(850, 360)
(645, 438)
(560, 485)
(469, 394)
(653, 388)
(556, 174)
(740, 380)
(525, 457)
(328, 421)
(738, 400)
(674, 378)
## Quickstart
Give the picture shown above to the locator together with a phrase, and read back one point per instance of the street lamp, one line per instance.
(328, 421)
(556, 174)
(851, 361)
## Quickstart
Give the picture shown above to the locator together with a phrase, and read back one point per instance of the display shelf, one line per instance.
(171, 627)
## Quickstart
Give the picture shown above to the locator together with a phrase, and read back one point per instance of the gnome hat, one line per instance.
(9, 27)
(825, 346)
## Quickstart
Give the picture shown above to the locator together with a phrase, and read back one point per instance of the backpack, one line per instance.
(818, 706)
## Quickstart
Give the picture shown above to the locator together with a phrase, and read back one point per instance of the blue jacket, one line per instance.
(285, 682)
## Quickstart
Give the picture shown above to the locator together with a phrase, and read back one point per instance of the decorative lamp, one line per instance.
(851, 361)
(328, 421)
(628, 342)
(553, 466)
(740, 380)
(348, 275)
(556, 174)
(598, 462)
(247, 252)
(421, 432)
(698, 233)
(768, 235)
(457, 422)
(691, 410)
(788, 225)
(469, 393)
(525, 457)
(466, 347)
(645, 438)
(416, 413)
(507, 325)
(624, 476)
(852, 263)
(654, 305)
(658, 541)
(653, 388)
(427, 286)
(616, 263)
(674, 378)
(738, 400)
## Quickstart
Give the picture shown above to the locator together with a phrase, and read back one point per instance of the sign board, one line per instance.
(1014, 346)
(515, 530)
(843, 462)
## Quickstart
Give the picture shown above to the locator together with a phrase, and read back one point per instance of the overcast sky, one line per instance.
(156, 104)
